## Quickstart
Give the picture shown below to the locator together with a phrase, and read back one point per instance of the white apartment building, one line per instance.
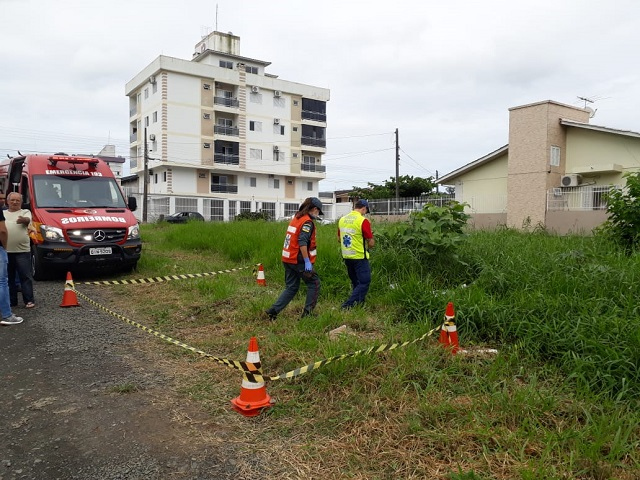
(223, 136)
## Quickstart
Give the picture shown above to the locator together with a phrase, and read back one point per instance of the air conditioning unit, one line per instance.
(255, 89)
(276, 121)
(152, 137)
(152, 79)
(571, 180)
(206, 86)
(277, 93)
(206, 116)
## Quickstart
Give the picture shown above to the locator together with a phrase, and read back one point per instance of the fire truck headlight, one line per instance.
(133, 232)
(52, 234)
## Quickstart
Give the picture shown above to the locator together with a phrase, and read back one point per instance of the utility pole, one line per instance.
(397, 171)
(145, 191)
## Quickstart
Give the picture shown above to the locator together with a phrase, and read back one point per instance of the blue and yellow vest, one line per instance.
(351, 239)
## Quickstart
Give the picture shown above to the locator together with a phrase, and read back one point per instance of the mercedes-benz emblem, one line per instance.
(99, 235)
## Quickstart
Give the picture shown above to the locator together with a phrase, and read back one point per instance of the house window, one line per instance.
(154, 88)
(295, 129)
(255, 126)
(250, 69)
(276, 183)
(295, 155)
(155, 178)
(255, 153)
(146, 121)
(253, 182)
(164, 176)
(309, 186)
(226, 64)
(225, 122)
(555, 156)
(281, 129)
(155, 117)
(146, 93)
(278, 102)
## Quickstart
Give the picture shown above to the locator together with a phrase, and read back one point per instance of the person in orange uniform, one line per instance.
(298, 257)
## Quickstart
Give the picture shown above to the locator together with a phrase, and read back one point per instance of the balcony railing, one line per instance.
(314, 142)
(312, 167)
(317, 116)
(226, 159)
(226, 102)
(223, 188)
(133, 112)
(221, 130)
(133, 137)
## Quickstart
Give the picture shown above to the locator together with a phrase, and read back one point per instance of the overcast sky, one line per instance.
(443, 73)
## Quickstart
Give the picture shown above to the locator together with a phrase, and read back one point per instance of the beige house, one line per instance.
(554, 172)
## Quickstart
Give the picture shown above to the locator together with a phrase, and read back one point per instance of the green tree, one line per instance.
(408, 186)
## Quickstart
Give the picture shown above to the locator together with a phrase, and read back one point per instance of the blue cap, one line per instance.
(362, 203)
(317, 203)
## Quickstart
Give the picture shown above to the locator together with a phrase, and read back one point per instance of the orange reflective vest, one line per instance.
(291, 247)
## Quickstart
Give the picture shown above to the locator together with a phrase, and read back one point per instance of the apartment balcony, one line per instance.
(314, 142)
(223, 188)
(315, 116)
(226, 102)
(313, 168)
(222, 130)
(133, 112)
(226, 159)
(133, 137)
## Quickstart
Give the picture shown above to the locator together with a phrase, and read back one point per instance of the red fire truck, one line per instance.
(79, 212)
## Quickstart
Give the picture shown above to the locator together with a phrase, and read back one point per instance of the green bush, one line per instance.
(623, 207)
(253, 216)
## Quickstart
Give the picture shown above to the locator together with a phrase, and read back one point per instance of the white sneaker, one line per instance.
(12, 320)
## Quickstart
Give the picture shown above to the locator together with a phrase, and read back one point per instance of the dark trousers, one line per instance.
(359, 272)
(21, 263)
(293, 273)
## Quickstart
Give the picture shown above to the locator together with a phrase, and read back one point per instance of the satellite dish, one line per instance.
(591, 111)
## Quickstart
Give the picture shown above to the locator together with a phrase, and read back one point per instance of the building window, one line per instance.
(255, 154)
(281, 129)
(146, 93)
(245, 206)
(295, 103)
(250, 69)
(155, 178)
(255, 126)
(276, 183)
(155, 117)
(278, 102)
(225, 122)
(206, 86)
(256, 98)
(309, 186)
(295, 129)
(226, 64)
(295, 155)
(146, 121)
(555, 156)
(164, 177)
(253, 182)
(154, 88)
(206, 145)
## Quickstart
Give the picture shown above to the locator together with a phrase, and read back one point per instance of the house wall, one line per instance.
(533, 129)
(597, 155)
(484, 188)
(565, 222)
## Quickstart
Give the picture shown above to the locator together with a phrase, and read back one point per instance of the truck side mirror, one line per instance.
(132, 203)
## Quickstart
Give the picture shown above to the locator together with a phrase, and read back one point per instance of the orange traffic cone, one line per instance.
(448, 331)
(69, 298)
(253, 395)
(261, 280)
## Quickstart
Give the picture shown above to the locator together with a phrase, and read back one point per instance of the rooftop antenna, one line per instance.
(216, 17)
(591, 111)
(586, 100)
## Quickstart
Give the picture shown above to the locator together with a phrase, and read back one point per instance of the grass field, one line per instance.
(560, 400)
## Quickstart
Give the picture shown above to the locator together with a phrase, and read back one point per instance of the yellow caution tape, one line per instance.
(367, 351)
(252, 372)
(166, 278)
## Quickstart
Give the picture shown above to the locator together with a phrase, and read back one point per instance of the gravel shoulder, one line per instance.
(66, 413)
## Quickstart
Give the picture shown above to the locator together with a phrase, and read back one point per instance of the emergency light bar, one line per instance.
(54, 159)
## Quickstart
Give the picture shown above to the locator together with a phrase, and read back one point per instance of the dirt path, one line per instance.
(77, 404)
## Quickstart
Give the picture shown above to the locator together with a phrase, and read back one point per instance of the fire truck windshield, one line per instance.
(77, 192)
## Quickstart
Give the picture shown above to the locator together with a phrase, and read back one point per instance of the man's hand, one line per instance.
(23, 220)
(308, 266)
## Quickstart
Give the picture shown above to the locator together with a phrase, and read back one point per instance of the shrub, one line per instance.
(253, 216)
(623, 207)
